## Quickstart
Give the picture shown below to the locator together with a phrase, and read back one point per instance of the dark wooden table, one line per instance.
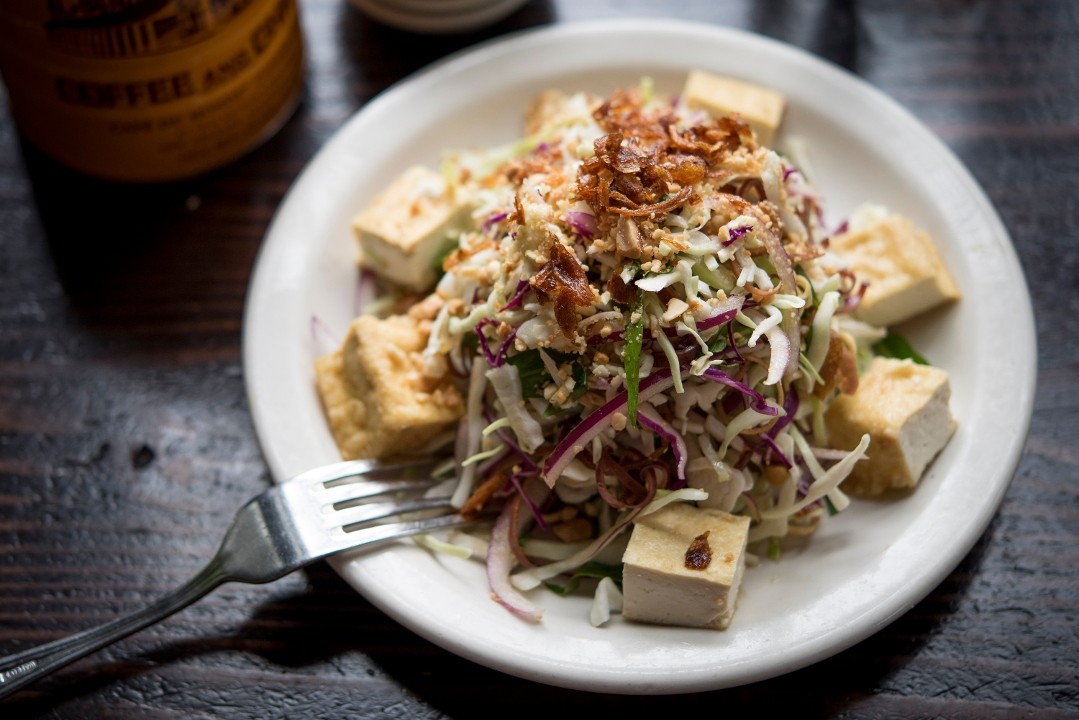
(126, 443)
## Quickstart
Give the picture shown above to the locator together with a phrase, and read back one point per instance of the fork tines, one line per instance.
(357, 492)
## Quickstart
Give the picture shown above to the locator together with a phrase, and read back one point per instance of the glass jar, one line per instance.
(150, 90)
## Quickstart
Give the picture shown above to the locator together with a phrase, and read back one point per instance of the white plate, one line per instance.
(866, 566)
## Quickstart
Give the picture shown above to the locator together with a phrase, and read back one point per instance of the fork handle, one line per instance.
(22, 668)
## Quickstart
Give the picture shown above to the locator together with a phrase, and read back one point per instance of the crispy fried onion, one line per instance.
(840, 368)
(563, 280)
(483, 495)
(646, 165)
(624, 179)
(635, 483)
(619, 290)
(525, 505)
(773, 243)
(725, 135)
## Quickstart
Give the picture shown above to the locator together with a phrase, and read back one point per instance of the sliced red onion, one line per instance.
(774, 447)
(599, 420)
(366, 291)
(780, 356)
(759, 404)
(582, 222)
(500, 562)
(720, 318)
(652, 420)
(324, 339)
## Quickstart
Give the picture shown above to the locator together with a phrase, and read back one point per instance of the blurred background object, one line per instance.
(150, 90)
(438, 16)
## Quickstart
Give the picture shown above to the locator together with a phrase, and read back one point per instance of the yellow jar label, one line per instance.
(146, 90)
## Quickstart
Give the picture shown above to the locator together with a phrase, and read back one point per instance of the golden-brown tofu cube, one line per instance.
(683, 566)
(406, 230)
(902, 266)
(760, 107)
(377, 399)
(904, 409)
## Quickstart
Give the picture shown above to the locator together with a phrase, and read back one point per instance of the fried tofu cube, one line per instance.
(904, 409)
(760, 107)
(407, 229)
(553, 108)
(378, 400)
(683, 566)
(902, 266)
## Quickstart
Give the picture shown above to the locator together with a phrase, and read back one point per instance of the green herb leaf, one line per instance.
(534, 376)
(719, 341)
(773, 549)
(631, 356)
(580, 381)
(588, 570)
(896, 346)
(448, 244)
(531, 371)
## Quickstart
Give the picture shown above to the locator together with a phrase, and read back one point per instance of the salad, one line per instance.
(632, 319)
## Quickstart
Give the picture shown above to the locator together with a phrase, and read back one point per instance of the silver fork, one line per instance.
(318, 513)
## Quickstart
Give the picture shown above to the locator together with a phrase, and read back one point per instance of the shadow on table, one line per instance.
(829, 28)
(458, 687)
(97, 230)
(824, 690)
(114, 243)
(328, 624)
(102, 233)
(368, 44)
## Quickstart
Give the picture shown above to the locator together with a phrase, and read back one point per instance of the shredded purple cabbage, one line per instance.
(485, 347)
(494, 220)
(518, 296)
(717, 319)
(736, 233)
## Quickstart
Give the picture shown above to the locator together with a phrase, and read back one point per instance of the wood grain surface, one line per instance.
(126, 442)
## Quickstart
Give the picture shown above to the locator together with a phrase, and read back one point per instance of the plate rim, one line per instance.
(815, 650)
